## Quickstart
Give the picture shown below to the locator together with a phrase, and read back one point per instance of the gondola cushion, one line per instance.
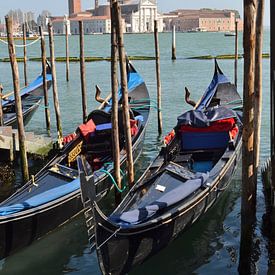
(87, 128)
(199, 141)
(172, 197)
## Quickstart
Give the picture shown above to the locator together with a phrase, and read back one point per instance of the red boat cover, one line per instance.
(69, 138)
(134, 127)
(224, 125)
(87, 128)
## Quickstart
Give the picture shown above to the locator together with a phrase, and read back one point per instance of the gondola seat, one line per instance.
(210, 129)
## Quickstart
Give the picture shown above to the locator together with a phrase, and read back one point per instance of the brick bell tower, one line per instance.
(74, 6)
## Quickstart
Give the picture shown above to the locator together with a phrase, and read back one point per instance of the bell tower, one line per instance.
(74, 6)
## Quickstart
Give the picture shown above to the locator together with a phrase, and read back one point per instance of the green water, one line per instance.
(210, 246)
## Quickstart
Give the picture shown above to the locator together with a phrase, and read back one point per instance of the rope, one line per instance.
(21, 46)
(146, 106)
(113, 180)
(109, 238)
(142, 100)
(237, 101)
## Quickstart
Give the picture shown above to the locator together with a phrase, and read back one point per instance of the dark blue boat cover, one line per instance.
(42, 198)
(172, 197)
(34, 85)
(218, 78)
(134, 80)
(200, 119)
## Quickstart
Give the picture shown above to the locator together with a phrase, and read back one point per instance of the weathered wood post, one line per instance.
(124, 89)
(54, 84)
(115, 129)
(82, 71)
(1, 107)
(272, 117)
(67, 51)
(158, 76)
(18, 104)
(249, 190)
(272, 99)
(258, 86)
(248, 207)
(174, 43)
(45, 84)
(236, 54)
(24, 26)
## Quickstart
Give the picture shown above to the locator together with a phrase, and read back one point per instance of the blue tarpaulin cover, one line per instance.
(34, 85)
(199, 118)
(172, 197)
(134, 80)
(211, 90)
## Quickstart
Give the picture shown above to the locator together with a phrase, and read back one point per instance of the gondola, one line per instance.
(192, 171)
(53, 195)
(31, 97)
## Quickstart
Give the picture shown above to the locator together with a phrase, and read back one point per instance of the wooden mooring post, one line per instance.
(82, 71)
(174, 57)
(268, 173)
(249, 190)
(67, 51)
(1, 107)
(45, 84)
(124, 89)
(158, 76)
(54, 84)
(24, 26)
(18, 104)
(253, 31)
(272, 99)
(258, 87)
(115, 129)
(236, 54)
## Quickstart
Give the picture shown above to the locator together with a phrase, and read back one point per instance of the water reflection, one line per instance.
(57, 253)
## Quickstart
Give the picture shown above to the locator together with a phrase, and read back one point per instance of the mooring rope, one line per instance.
(21, 46)
(114, 234)
(113, 180)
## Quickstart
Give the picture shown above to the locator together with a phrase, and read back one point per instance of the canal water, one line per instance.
(211, 246)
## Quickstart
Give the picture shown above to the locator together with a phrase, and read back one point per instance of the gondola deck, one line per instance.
(31, 97)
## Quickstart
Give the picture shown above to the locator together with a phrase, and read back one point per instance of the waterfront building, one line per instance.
(138, 16)
(95, 24)
(203, 20)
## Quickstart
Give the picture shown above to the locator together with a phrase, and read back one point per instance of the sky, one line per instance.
(60, 7)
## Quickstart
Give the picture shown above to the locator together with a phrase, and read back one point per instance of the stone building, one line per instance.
(91, 25)
(138, 16)
(74, 7)
(95, 24)
(203, 20)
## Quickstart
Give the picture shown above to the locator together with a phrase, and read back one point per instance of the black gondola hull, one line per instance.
(30, 104)
(21, 230)
(130, 247)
